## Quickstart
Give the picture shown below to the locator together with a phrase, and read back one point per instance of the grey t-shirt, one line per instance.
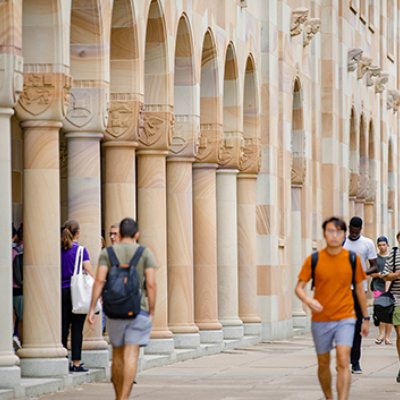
(124, 253)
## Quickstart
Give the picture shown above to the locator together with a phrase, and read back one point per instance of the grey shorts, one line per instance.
(129, 331)
(18, 302)
(340, 332)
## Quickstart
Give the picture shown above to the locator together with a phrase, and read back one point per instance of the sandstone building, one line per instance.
(229, 128)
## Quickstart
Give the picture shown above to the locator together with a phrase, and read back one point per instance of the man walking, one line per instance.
(365, 248)
(127, 335)
(391, 273)
(333, 314)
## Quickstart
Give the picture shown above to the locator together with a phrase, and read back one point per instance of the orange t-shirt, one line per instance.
(333, 278)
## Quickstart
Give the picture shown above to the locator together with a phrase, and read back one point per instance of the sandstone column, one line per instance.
(246, 214)
(84, 124)
(154, 140)
(180, 233)
(11, 81)
(205, 236)
(120, 159)
(227, 253)
(41, 109)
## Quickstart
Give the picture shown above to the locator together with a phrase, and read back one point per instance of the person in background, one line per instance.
(378, 286)
(18, 298)
(69, 247)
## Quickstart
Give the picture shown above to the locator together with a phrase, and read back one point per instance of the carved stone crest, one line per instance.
(311, 27)
(120, 118)
(363, 66)
(79, 111)
(250, 161)
(299, 17)
(157, 131)
(38, 93)
(373, 71)
(209, 143)
(380, 82)
(231, 150)
(353, 58)
(298, 170)
(354, 184)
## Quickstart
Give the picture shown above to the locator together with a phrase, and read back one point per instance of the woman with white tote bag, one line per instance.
(69, 252)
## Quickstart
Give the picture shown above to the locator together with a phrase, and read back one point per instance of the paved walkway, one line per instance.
(275, 371)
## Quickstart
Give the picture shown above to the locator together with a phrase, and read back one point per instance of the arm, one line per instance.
(373, 266)
(151, 288)
(88, 268)
(98, 286)
(313, 304)
(362, 301)
(392, 276)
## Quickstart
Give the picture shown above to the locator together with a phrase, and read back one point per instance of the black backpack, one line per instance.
(18, 268)
(122, 292)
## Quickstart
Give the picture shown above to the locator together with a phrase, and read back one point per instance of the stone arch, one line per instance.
(209, 93)
(231, 115)
(156, 90)
(371, 196)
(363, 151)
(298, 135)
(354, 155)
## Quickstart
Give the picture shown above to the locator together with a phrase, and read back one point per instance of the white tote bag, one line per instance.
(81, 287)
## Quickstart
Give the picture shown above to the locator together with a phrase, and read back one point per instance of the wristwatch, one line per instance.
(366, 318)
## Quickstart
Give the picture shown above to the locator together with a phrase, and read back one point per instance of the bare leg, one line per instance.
(343, 371)
(131, 355)
(388, 332)
(324, 374)
(118, 370)
(398, 340)
(382, 328)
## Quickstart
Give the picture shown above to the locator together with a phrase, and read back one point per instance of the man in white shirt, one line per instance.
(365, 248)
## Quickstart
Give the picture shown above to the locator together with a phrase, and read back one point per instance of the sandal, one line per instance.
(387, 341)
(379, 340)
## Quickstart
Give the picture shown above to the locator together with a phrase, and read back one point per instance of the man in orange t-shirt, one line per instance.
(333, 315)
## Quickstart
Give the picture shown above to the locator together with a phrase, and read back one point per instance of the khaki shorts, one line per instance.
(396, 316)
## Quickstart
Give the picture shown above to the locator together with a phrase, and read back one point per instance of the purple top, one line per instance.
(68, 262)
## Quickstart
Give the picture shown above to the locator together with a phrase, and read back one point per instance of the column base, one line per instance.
(95, 358)
(10, 377)
(40, 367)
(233, 332)
(186, 340)
(299, 321)
(252, 329)
(160, 346)
(212, 336)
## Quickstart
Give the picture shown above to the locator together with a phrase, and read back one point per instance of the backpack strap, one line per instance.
(112, 256)
(314, 260)
(353, 262)
(394, 266)
(136, 257)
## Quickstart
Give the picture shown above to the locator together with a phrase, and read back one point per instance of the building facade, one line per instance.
(230, 129)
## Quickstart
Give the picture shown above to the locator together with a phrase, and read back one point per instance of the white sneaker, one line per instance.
(16, 343)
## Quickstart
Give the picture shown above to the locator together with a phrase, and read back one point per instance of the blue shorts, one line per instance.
(340, 332)
(129, 331)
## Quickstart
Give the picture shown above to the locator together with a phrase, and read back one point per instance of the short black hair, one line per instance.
(356, 222)
(339, 224)
(128, 228)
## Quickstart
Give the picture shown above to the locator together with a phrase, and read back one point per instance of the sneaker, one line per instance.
(398, 377)
(16, 343)
(356, 369)
(79, 368)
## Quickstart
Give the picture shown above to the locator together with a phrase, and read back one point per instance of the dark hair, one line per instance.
(397, 236)
(339, 224)
(68, 232)
(128, 228)
(356, 222)
(381, 239)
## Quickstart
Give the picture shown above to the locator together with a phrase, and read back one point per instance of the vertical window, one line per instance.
(390, 28)
(355, 5)
(372, 15)
(364, 10)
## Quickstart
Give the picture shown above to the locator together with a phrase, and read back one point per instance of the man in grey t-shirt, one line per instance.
(365, 248)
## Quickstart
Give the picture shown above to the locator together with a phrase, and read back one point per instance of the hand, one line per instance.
(314, 305)
(365, 328)
(91, 316)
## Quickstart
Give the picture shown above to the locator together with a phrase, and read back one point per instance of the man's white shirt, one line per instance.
(365, 248)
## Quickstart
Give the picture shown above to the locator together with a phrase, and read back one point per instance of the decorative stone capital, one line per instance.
(298, 171)
(124, 118)
(87, 108)
(371, 194)
(186, 135)
(209, 143)
(373, 71)
(311, 27)
(156, 130)
(393, 100)
(45, 96)
(353, 58)
(250, 162)
(299, 17)
(230, 153)
(381, 81)
(362, 191)
(363, 66)
(11, 79)
(354, 184)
